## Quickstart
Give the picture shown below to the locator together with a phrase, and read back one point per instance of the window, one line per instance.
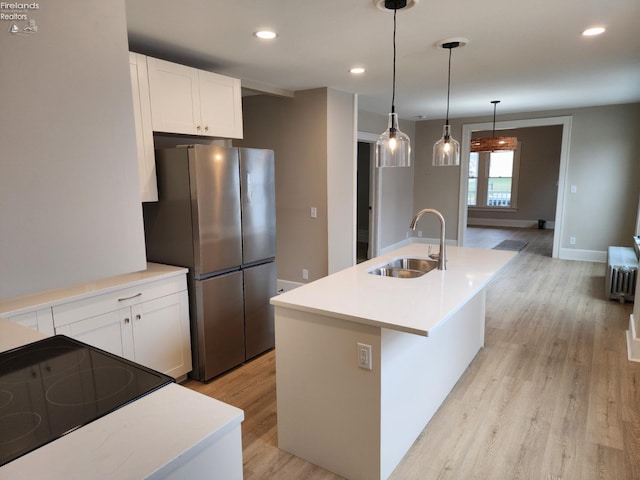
(493, 179)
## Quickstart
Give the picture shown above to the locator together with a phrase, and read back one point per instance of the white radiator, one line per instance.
(622, 274)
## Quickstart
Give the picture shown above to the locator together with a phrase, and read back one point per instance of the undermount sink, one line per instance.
(405, 268)
(421, 264)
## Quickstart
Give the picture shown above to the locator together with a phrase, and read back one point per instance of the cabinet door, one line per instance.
(175, 97)
(144, 129)
(221, 105)
(109, 331)
(161, 334)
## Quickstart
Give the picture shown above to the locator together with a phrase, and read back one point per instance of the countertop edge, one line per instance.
(49, 298)
(136, 441)
(349, 318)
(470, 271)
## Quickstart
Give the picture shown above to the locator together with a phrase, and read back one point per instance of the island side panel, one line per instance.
(419, 372)
(328, 407)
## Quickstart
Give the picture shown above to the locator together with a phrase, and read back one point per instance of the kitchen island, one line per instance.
(171, 433)
(422, 332)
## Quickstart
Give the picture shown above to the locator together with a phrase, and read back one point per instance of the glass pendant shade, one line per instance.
(446, 151)
(393, 148)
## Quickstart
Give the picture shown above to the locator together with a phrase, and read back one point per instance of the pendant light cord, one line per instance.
(448, 88)
(393, 94)
(495, 104)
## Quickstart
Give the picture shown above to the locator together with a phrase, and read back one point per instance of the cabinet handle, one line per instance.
(138, 317)
(126, 320)
(198, 128)
(129, 298)
(206, 129)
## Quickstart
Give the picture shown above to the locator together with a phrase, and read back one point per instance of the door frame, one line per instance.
(468, 129)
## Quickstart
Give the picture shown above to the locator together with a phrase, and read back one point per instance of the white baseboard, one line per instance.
(633, 342)
(496, 222)
(583, 255)
(286, 285)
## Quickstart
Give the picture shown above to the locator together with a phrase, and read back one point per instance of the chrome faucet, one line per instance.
(441, 257)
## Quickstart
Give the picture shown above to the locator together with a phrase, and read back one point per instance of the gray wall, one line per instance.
(605, 167)
(69, 194)
(538, 178)
(603, 164)
(296, 130)
(395, 185)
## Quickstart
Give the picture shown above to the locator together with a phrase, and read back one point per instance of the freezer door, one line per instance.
(257, 176)
(215, 197)
(259, 287)
(220, 324)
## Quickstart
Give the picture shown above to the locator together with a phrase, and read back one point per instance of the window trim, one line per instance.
(483, 189)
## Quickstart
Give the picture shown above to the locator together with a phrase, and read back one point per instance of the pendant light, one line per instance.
(446, 151)
(393, 147)
(493, 143)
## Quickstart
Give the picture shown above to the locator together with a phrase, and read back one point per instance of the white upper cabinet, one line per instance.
(144, 129)
(220, 105)
(193, 102)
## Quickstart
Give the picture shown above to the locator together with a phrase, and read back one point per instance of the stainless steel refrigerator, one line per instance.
(216, 216)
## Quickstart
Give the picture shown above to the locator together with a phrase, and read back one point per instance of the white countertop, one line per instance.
(413, 305)
(13, 335)
(49, 298)
(139, 440)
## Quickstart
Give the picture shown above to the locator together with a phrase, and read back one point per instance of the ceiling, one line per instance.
(530, 55)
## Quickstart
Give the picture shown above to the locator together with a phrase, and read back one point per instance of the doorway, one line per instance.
(467, 131)
(366, 198)
(363, 202)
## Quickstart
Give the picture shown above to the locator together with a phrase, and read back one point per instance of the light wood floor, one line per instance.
(551, 395)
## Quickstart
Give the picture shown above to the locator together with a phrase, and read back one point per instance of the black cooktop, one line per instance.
(51, 387)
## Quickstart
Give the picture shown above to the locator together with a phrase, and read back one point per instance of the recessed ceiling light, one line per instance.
(357, 70)
(590, 32)
(265, 34)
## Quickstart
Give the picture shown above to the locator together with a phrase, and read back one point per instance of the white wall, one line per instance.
(341, 179)
(69, 197)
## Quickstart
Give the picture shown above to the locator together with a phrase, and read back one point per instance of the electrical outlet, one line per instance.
(305, 274)
(364, 356)
(572, 240)
(419, 233)
(314, 212)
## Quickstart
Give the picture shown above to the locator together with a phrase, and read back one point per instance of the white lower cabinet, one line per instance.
(153, 333)
(161, 334)
(108, 331)
(141, 316)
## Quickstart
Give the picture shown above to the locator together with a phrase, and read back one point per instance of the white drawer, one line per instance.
(107, 302)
